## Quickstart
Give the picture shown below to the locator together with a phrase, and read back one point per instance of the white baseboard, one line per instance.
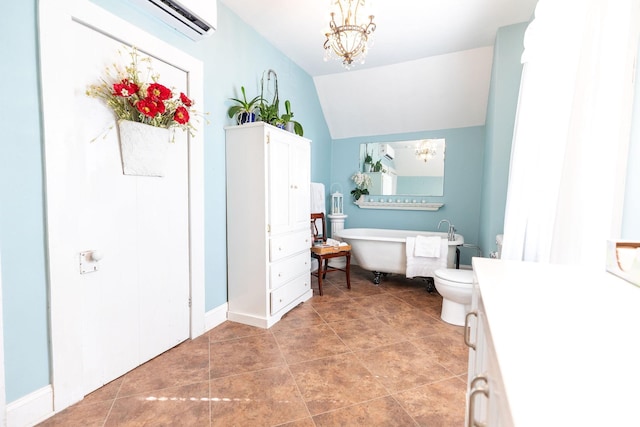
(215, 317)
(31, 409)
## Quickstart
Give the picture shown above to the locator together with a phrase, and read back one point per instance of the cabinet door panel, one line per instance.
(300, 177)
(279, 185)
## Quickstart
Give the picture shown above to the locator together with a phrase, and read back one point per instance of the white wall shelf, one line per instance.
(382, 202)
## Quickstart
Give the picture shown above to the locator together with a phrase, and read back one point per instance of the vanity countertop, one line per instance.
(567, 341)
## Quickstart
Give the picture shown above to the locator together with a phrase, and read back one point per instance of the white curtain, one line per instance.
(569, 154)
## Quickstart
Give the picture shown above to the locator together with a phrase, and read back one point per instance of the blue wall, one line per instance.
(501, 114)
(235, 55)
(22, 238)
(462, 184)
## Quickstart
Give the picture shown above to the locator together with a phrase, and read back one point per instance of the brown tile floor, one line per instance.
(372, 356)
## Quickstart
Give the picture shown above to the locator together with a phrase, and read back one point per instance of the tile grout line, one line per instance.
(106, 418)
(292, 378)
(209, 382)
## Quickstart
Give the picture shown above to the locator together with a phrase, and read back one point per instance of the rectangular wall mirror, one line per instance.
(407, 168)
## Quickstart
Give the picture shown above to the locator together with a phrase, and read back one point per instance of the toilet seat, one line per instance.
(455, 277)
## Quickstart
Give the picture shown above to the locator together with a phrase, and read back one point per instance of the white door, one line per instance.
(136, 305)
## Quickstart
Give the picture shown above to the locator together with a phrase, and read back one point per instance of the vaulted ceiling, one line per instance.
(429, 66)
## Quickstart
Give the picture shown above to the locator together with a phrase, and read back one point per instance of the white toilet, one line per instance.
(456, 286)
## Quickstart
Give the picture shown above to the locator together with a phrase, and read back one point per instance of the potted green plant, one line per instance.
(368, 160)
(244, 110)
(287, 120)
(269, 113)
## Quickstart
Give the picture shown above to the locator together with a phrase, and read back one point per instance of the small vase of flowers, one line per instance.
(146, 111)
(362, 181)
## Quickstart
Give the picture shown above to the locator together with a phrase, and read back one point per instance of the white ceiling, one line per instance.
(408, 34)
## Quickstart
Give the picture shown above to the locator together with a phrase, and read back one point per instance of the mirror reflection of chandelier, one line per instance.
(347, 37)
(426, 150)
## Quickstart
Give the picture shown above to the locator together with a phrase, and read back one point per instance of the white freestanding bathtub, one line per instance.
(384, 251)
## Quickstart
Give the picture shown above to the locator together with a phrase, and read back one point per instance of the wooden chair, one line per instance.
(323, 258)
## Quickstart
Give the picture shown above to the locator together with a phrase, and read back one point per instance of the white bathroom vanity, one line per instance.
(552, 345)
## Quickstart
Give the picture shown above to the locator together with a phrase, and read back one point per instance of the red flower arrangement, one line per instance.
(132, 99)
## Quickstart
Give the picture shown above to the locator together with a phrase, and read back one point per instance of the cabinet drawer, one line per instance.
(285, 294)
(289, 244)
(284, 270)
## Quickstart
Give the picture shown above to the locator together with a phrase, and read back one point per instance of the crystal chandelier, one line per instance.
(426, 150)
(347, 37)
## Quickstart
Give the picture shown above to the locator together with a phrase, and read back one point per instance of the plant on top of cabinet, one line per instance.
(269, 113)
(259, 109)
(289, 124)
(244, 110)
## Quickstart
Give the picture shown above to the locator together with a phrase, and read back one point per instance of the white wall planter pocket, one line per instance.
(143, 148)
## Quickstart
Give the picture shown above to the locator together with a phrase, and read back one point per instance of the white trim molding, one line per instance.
(30, 409)
(216, 317)
(3, 394)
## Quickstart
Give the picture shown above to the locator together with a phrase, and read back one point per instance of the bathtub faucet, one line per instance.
(451, 232)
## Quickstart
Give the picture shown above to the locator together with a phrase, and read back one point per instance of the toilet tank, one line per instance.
(499, 244)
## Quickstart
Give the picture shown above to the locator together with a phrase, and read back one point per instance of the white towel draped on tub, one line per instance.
(427, 246)
(420, 266)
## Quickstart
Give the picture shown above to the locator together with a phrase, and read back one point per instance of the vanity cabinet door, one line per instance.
(478, 381)
(486, 401)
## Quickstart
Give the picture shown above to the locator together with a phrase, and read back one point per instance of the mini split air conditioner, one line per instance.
(387, 151)
(194, 18)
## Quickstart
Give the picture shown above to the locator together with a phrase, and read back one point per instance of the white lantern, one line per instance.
(337, 203)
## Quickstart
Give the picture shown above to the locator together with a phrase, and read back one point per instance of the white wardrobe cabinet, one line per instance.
(268, 217)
